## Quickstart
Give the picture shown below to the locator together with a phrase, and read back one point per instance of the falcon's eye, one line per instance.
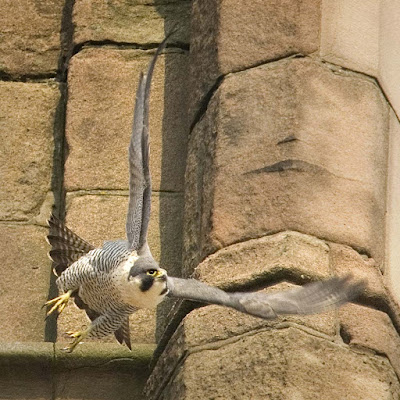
(152, 272)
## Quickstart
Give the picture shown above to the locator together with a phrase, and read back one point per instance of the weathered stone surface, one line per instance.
(97, 218)
(268, 258)
(101, 216)
(362, 36)
(27, 118)
(26, 370)
(30, 31)
(294, 166)
(373, 329)
(102, 85)
(393, 208)
(99, 372)
(35, 370)
(389, 57)
(24, 282)
(348, 41)
(266, 365)
(130, 22)
(229, 36)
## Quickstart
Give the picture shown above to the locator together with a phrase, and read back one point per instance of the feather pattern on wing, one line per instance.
(66, 246)
(123, 334)
(138, 216)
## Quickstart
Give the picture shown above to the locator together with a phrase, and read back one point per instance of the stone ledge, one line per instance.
(42, 370)
(85, 355)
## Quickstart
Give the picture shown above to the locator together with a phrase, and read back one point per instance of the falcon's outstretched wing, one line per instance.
(311, 298)
(138, 216)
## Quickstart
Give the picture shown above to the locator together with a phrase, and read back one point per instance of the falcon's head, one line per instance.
(146, 282)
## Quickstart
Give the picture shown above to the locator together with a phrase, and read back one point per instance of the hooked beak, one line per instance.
(161, 275)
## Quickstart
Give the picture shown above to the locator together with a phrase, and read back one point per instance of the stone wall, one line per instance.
(284, 115)
(68, 72)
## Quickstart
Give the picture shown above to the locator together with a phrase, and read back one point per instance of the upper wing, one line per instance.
(311, 298)
(66, 246)
(137, 220)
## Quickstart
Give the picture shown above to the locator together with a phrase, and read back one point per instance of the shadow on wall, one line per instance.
(175, 132)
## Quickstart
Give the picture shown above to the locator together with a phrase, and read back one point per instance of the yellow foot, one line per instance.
(58, 303)
(78, 336)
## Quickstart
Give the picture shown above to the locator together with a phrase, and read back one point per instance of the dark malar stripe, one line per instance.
(146, 283)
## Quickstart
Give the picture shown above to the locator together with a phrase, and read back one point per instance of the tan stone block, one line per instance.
(294, 166)
(101, 216)
(350, 34)
(130, 22)
(392, 271)
(362, 36)
(102, 85)
(267, 365)
(97, 216)
(264, 260)
(230, 36)
(24, 282)
(27, 119)
(372, 329)
(389, 57)
(30, 32)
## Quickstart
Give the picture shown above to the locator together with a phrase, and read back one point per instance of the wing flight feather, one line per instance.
(139, 180)
(311, 298)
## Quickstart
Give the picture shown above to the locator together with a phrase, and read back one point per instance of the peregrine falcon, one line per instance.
(114, 281)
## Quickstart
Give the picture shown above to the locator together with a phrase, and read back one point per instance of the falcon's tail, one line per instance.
(66, 246)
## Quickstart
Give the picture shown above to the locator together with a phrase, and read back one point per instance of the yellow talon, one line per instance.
(78, 336)
(58, 303)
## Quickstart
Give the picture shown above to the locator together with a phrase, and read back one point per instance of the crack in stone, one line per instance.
(116, 192)
(107, 43)
(28, 78)
(299, 166)
(203, 104)
(288, 139)
(217, 344)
